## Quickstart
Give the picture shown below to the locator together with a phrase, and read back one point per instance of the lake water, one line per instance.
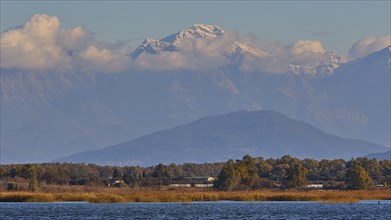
(197, 210)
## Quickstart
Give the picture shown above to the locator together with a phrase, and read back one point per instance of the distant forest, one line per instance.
(246, 174)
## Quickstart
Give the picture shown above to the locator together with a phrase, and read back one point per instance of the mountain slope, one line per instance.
(170, 43)
(380, 156)
(364, 84)
(230, 136)
(237, 53)
(51, 114)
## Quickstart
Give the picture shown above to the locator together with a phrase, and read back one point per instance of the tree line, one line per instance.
(95, 175)
(291, 173)
(248, 173)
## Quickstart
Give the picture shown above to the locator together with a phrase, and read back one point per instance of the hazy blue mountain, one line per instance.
(364, 84)
(229, 136)
(63, 113)
(380, 156)
(46, 115)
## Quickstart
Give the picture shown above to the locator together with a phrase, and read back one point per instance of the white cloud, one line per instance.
(368, 45)
(33, 45)
(306, 46)
(207, 54)
(301, 52)
(201, 54)
(102, 59)
(305, 52)
(41, 44)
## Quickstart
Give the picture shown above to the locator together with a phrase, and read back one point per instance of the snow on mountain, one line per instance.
(325, 68)
(170, 43)
(239, 50)
(150, 46)
(196, 31)
(45, 116)
(51, 114)
(235, 51)
(368, 79)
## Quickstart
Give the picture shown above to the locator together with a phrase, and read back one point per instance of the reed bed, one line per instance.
(185, 195)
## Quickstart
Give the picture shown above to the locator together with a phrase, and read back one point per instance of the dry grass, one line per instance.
(105, 195)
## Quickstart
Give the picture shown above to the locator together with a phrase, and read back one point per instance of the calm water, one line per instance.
(197, 210)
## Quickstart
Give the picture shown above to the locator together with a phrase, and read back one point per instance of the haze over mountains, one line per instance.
(200, 71)
(229, 136)
(380, 156)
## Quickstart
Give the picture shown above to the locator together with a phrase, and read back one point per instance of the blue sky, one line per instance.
(336, 24)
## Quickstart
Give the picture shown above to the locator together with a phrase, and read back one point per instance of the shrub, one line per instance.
(12, 186)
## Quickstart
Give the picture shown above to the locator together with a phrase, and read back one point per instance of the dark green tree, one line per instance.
(117, 173)
(160, 171)
(264, 168)
(12, 186)
(248, 170)
(228, 177)
(132, 174)
(242, 174)
(3, 172)
(296, 176)
(34, 183)
(357, 177)
(386, 171)
(312, 166)
(15, 170)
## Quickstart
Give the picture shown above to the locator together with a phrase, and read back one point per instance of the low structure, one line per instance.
(193, 182)
(116, 183)
(191, 185)
(314, 186)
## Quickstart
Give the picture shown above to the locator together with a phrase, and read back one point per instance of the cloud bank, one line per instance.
(42, 44)
(306, 46)
(36, 44)
(368, 45)
(231, 48)
(200, 54)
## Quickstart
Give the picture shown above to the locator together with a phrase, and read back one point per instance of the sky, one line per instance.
(336, 24)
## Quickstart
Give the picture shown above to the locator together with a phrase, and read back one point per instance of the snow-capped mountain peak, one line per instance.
(196, 31)
(335, 58)
(169, 43)
(237, 52)
(323, 68)
(150, 46)
(239, 49)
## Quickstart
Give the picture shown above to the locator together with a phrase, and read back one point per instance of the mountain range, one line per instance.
(229, 136)
(236, 53)
(380, 156)
(51, 114)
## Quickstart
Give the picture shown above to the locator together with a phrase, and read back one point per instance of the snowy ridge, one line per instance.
(236, 52)
(320, 68)
(335, 58)
(169, 43)
(150, 46)
(240, 49)
(196, 31)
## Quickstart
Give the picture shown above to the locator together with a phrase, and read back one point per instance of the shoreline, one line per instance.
(185, 196)
(206, 202)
